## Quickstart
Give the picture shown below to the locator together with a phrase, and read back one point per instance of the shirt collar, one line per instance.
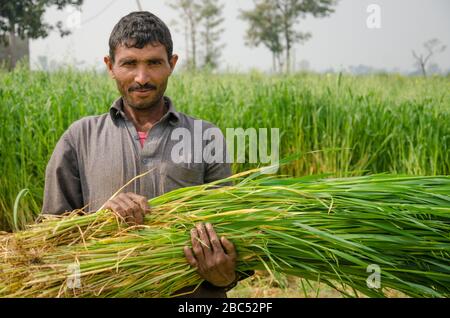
(116, 111)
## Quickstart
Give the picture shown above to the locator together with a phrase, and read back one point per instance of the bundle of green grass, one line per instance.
(316, 228)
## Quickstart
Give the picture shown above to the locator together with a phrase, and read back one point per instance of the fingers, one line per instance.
(229, 247)
(129, 206)
(112, 206)
(206, 244)
(141, 200)
(213, 258)
(204, 240)
(190, 257)
(139, 216)
(120, 207)
(143, 209)
(196, 246)
(117, 209)
(215, 243)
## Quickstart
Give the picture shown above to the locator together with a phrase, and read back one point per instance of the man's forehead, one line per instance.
(154, 49)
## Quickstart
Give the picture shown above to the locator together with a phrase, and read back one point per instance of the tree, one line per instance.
(264, 28)
(201, 23)
(24, 19)
(286, 15)
(211, 14)
(190, 13)
(432, 47)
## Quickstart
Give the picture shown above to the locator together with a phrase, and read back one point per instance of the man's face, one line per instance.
(141, 74)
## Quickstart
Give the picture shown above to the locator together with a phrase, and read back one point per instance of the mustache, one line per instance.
(138, 87)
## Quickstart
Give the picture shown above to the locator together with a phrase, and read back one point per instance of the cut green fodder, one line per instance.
(327, 230)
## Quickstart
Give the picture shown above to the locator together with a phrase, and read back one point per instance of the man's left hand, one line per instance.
(214, 259)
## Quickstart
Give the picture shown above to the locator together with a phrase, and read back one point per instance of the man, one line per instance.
(97, 155)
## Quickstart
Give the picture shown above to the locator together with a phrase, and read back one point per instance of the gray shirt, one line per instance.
(97, 155)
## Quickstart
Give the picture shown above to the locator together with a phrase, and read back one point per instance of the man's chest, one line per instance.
(113, 158)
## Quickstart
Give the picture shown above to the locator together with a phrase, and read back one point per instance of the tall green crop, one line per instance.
(351, 126)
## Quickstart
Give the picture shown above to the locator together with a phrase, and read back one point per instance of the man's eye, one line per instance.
(154, 62)
(129, 63)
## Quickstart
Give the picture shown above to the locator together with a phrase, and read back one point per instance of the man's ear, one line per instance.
(109, 66)
(173, 62)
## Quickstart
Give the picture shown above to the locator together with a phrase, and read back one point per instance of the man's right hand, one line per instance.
(131, 207)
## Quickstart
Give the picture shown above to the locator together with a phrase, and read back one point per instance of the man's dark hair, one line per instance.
(138, 29)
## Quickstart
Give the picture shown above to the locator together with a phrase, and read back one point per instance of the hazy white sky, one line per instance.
(338, 41)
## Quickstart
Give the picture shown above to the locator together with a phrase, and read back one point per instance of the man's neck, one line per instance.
(145, 119)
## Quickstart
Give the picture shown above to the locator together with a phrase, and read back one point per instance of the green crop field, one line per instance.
(339, 124)
(343, 125)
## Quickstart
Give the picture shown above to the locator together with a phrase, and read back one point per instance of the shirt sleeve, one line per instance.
(62, 191)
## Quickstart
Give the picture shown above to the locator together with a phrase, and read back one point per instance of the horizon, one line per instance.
(356, 47)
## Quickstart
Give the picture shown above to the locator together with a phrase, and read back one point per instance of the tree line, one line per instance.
(270, 23)
(24, 19)
(273, 24)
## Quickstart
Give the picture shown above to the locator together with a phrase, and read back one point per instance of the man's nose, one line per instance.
(142, 76)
